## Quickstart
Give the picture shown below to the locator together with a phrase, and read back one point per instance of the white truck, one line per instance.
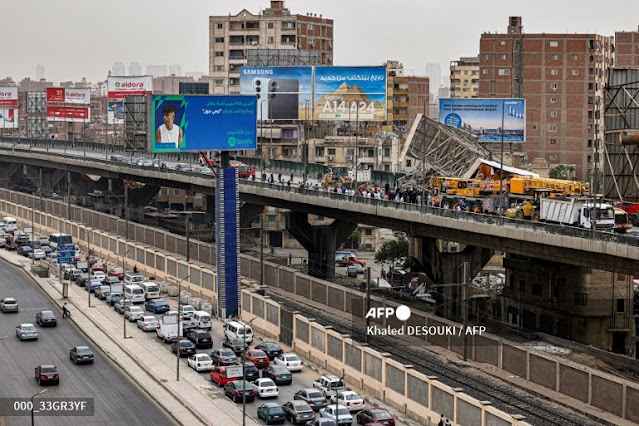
(117, 288)
(168, 329)
(579, 212)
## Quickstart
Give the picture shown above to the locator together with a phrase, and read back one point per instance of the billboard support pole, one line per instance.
(356, 144)
(501, 165)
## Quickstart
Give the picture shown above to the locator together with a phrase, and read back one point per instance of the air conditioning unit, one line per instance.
(331, 158)
(349, 158)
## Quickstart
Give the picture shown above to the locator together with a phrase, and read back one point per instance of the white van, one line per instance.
(10, 223)
(133, 279)
(151, 290)
(235, 330)
(202, 320)
(134, 293)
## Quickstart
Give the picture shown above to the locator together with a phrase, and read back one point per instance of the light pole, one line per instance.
(262, 248)
(262, 133)
(177, 345)
(244, 371)
(33, 396)
(123, 293)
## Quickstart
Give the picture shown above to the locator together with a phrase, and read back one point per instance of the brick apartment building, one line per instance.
(464, 77)
(627, 49)
(562, 77)
(232, 36)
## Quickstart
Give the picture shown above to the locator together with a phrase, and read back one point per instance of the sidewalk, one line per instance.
(190, 401)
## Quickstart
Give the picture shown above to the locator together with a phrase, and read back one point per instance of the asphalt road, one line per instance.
(118, 401)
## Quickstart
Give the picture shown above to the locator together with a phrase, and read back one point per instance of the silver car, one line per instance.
(148, 323)
(26, 332)
(9, 304)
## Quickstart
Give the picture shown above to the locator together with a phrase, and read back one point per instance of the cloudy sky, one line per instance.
(82, 38)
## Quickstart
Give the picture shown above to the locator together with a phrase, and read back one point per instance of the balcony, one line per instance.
(236, 40)
(288, 39)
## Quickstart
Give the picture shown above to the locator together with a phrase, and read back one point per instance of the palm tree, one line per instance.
(562, 171)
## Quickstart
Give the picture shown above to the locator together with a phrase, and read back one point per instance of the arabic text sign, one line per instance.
(483, 118)
(8, 96)
(203, 123)
(70, 114)
(119, 87)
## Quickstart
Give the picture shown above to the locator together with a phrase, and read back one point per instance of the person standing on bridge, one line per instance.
(169, 132)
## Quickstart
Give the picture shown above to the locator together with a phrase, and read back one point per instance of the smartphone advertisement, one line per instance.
(317, 93)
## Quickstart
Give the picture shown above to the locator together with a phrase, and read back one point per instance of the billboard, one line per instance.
(319, 93)
(62, 95)
(484, 117)
(119, 87)
(203, 123)
(8, 96)
(115, 112)
(71, 114)
(8, 118)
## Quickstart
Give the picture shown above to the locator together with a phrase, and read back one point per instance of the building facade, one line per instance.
(562, 77)
(232, 37)
(627, 49)
(464, 77)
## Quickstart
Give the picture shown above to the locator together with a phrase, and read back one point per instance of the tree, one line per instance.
(562, 171)
(352, 241)
(393, 250)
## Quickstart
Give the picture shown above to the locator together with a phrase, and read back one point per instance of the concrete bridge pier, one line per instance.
(321, 242)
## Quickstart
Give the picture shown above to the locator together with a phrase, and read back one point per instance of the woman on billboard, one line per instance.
(169, 132)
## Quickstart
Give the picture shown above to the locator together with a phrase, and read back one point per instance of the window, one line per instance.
(270, 25)
(553, 113)
(486, 57)
(219, 68)
(408, 163)
(590, 158)
(220, 26)
(620, 306)
(331, 151)
(504, 71)
(522, 285)
(553, 100)
(484, 71)
(271, 40)
(575, 57)
(554, 72)
(591, 44)
(555, 57)
(350, 152)
(554, 86)
(503, 43)
(219, 82)
(386, 152)
(552, 128)
(581, 299)
(536, 289)
(371, 153)
(575, 72)
(219, 39)
(176, 192)
(533, 56)
(553, 141)
(534, 127)
(591, 71)
(368, 232)
(271, 217)
(554, 44)
(589, 143)
(219, 54)
(590, 114)
(591, 86)
(553, 157)
(503, 57)
(310, 27)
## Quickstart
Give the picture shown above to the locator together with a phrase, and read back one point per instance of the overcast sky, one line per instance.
(82, 38)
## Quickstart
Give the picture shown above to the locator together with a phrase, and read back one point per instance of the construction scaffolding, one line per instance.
(37, 124)
(621, 146)
(137, 115)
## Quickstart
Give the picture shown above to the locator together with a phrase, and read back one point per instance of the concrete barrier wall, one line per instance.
(604, 391)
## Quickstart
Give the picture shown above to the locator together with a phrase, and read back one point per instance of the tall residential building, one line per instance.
(434, 74)
(39, 72)
(627, 49)
(157, 70)
(232, 37)
(135, 68)
(406, 97)
(562, 77)
(464, 77)
(118, 69)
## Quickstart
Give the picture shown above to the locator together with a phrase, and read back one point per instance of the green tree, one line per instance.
(353, 240)
(562, 171)
(393, 250)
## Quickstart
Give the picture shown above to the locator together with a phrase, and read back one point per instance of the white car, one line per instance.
(38, 254)
(290, 361)
(351, 400)
(187, 311)
(26, 332)
(98, 275)
(148, 323)
(144, 162)
(133, 313)
(265, 388)
(200, 362)
(43, 240)
(342, 412)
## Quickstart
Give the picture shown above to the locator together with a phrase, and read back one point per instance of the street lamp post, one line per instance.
(244, 371)
(177, 345)
(33, 396)
(123, 292)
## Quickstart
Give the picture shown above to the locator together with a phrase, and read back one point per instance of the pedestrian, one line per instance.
(65, 312)
(135, 269)
(447, 423)
(279, 178)
(441, 421)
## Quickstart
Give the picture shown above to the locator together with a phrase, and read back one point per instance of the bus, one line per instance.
(622, 221)
(59, 239)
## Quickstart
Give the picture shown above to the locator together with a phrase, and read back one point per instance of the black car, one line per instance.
(223, 356)
(271, 412)
(312, 397)
(298, 412)
(236, 389)
(46, 318)
(202, 339)
(187, 348)
(279, 374)
(250, 371)
(110, 280)
(272, 349)
(236, 345)
(81, 279)
(81, 354)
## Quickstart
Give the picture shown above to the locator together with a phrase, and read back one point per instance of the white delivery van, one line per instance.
(202, 320)
(235, 330)
(151, 290)
(133, 279)
(134, 293)
(10, 223)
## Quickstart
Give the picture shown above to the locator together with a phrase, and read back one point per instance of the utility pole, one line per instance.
(465, 307)
(424, 156)
(126, 211)
(187, 225)
(69, 195)
(356, 145)
(262, 248)
(40, 190)
(501, 166)
(368, 300)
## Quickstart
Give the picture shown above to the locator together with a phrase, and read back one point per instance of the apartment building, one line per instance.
(406, 97)
(627, 49)
(562, 77)
(464, 77)
(232, 37)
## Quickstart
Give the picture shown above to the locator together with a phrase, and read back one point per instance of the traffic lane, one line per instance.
(116, 398)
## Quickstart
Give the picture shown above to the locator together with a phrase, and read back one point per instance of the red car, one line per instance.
(47, 374)
(116, 272)
(10, 245)
(258, 357)
(375, 415)
(218, 375)
(98, 266)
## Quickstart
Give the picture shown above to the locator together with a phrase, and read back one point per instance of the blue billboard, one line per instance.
(485, 118)
(203, 123)
(317, 93)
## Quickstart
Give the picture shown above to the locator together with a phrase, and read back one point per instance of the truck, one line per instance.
(329, 385)
(622, 220)
(347, 258)
(117, 288)
(633, 212)
(579, 212)
(168, 327)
